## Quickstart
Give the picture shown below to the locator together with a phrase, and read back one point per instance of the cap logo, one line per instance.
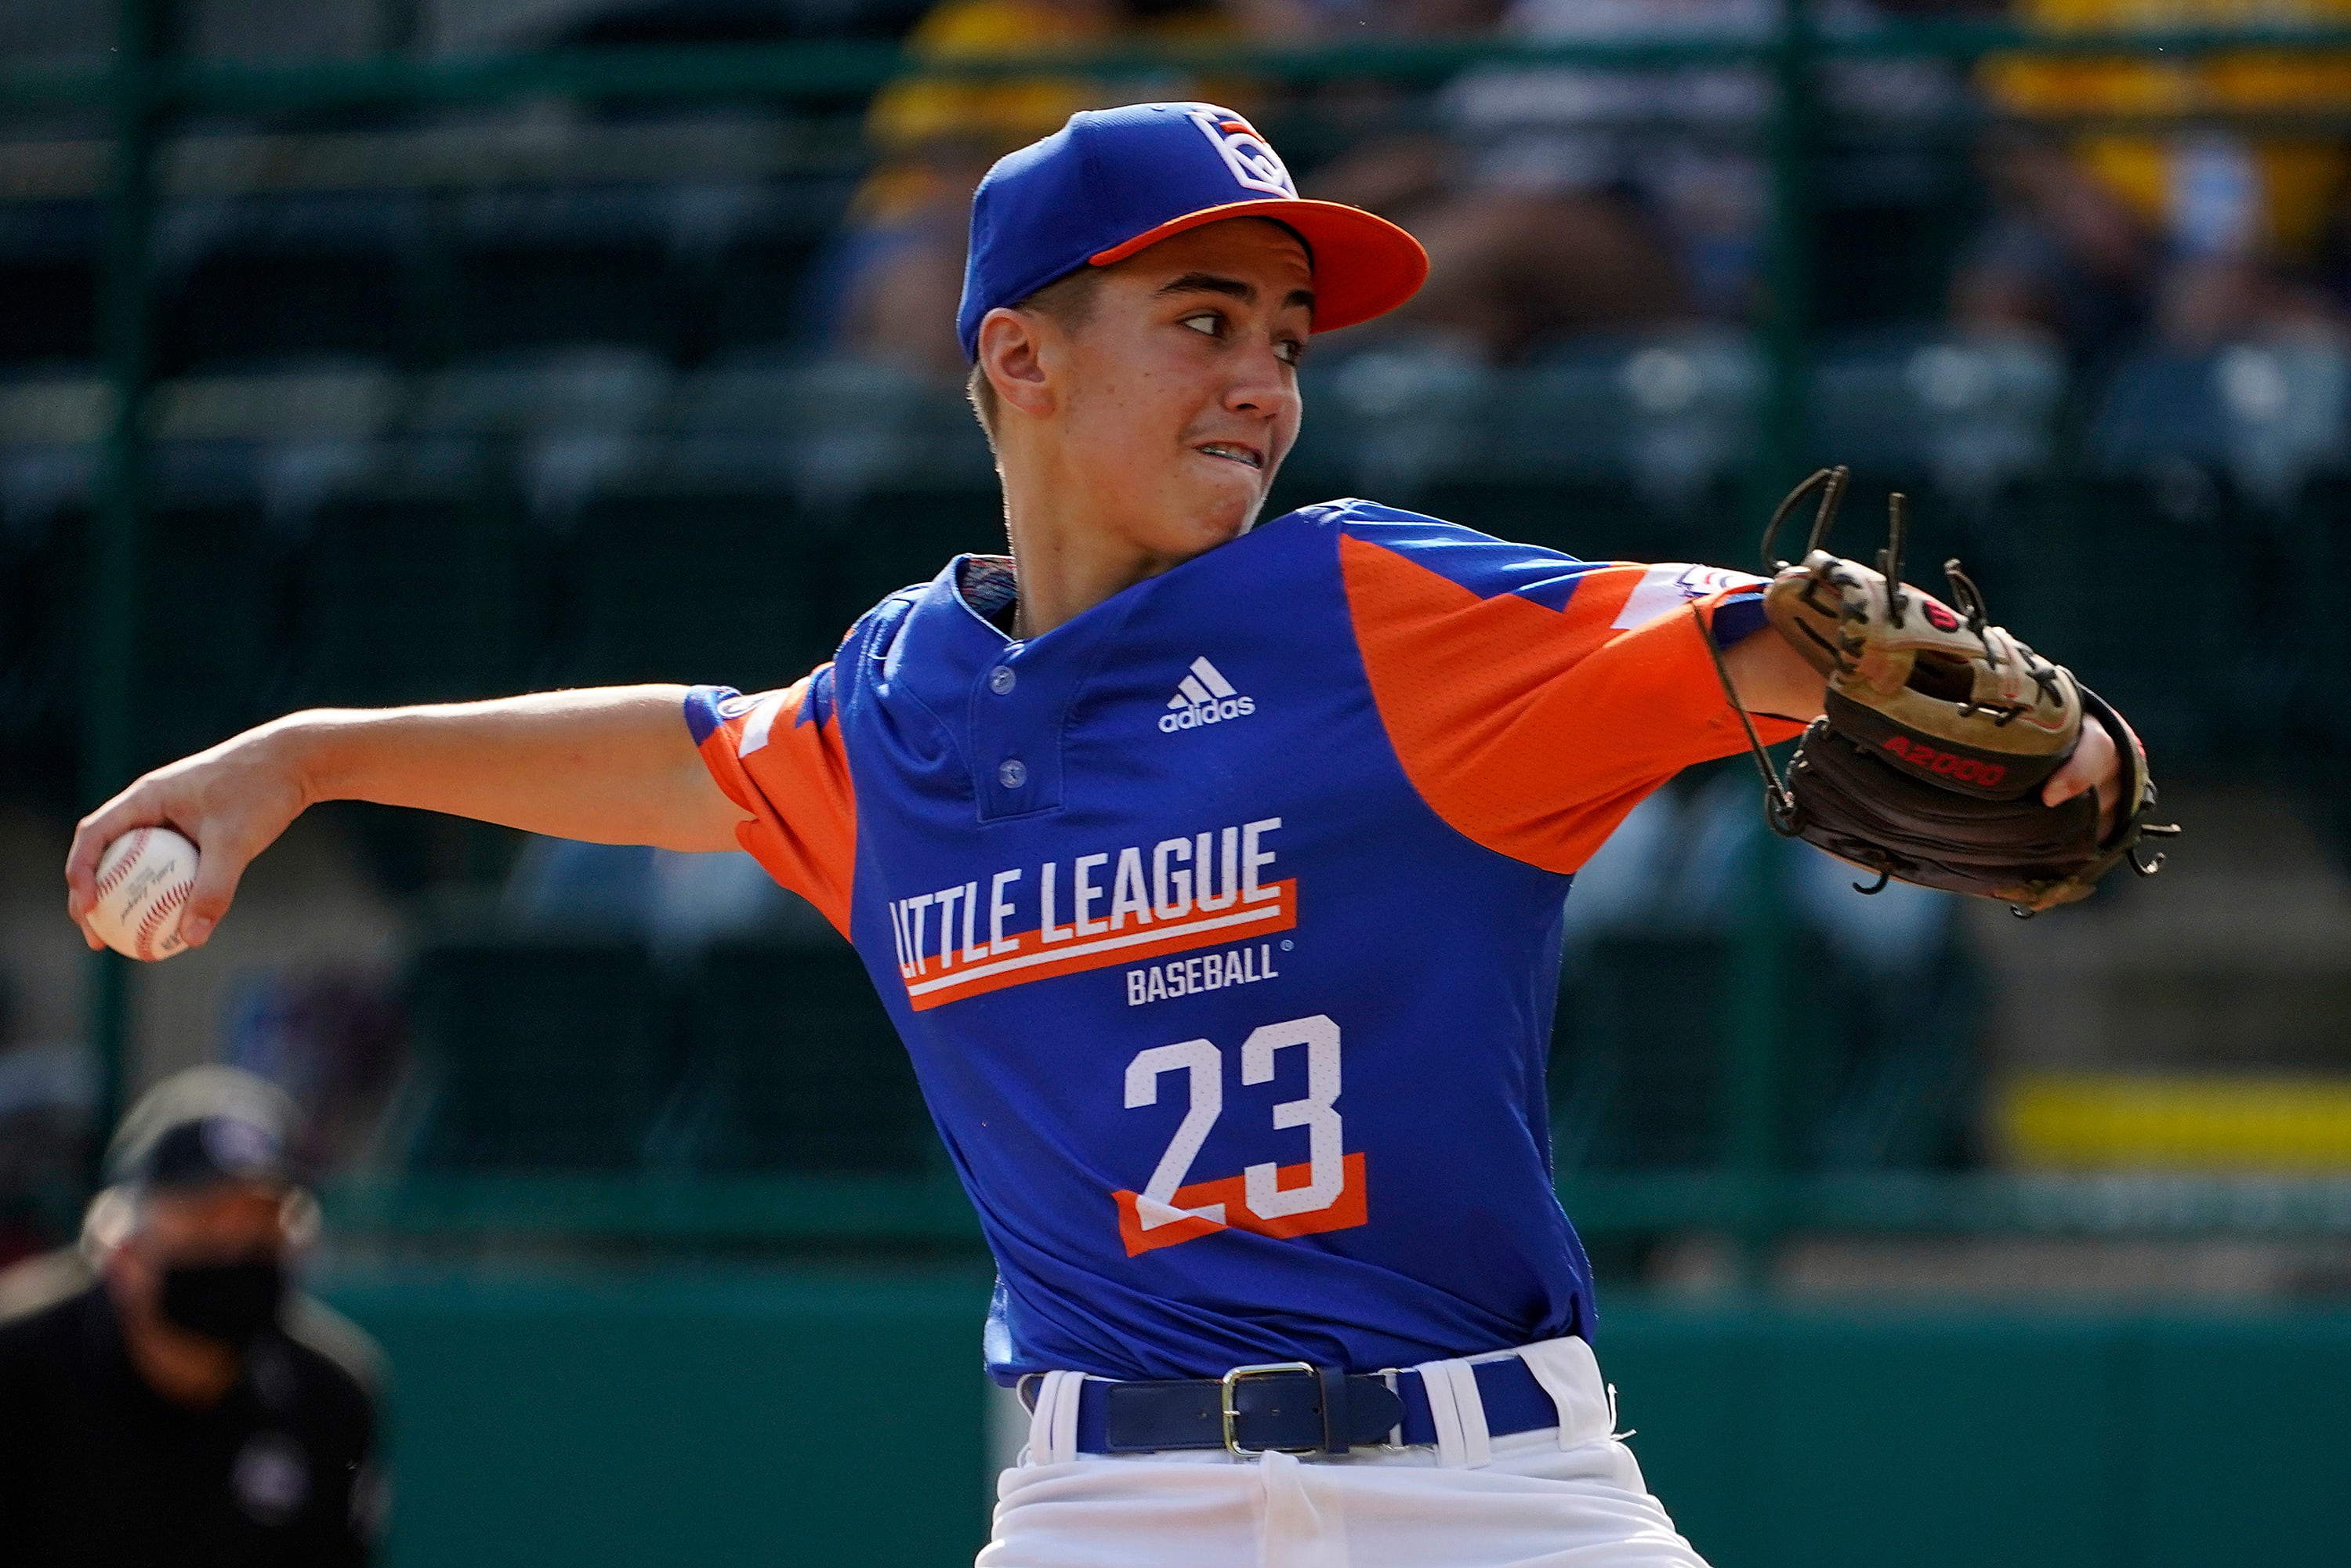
(238, 1148)
(1254, 165)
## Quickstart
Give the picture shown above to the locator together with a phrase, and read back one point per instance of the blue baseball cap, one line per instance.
(1113, 181)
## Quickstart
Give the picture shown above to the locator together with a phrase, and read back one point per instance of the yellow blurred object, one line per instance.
(2114, 1122)
(996, 114)
(2298, 174)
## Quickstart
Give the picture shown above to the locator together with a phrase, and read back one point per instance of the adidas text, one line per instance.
(1207, 712)
(1204, 697)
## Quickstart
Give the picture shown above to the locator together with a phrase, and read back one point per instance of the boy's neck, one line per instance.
(1068, 555)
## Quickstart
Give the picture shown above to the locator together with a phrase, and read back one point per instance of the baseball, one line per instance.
(144, 881)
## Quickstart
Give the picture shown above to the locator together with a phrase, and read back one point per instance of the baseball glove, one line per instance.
(1941, 730)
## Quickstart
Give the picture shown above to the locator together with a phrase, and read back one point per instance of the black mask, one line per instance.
(230, 1302)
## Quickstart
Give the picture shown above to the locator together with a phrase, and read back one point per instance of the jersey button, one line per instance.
(1012, 773)
(1001, 679)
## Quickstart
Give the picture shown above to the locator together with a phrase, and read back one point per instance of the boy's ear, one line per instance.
(1011, 357)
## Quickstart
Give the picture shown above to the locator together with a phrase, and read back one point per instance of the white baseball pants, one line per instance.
(1563, 1497)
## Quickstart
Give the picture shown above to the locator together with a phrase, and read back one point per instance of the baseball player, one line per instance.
(1212, 872)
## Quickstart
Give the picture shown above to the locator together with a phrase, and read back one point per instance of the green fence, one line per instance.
(706, 1417)
(684, 1418)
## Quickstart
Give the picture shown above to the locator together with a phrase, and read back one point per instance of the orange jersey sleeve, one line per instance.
(780, 756)
(1534, 700)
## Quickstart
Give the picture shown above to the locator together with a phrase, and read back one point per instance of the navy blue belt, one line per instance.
(1293, 1407)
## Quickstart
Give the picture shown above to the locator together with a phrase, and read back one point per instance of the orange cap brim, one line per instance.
(1364, 264)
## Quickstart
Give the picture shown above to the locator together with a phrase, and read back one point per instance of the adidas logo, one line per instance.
(1204, 697)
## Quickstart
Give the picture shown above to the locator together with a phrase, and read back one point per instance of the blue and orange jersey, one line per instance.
(1223, 922)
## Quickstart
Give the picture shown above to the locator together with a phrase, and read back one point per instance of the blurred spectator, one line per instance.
(896, 270)
(332, 1041)
(2062, 254)
(2331, 267)
(2196, 233)
(1575, 197)
(167, 1398)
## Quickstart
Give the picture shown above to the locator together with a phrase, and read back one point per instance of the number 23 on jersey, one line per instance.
(1325, 1193)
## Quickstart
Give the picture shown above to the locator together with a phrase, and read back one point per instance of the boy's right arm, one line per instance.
(612, 765)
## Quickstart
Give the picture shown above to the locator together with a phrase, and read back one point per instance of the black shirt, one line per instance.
(97, 1469)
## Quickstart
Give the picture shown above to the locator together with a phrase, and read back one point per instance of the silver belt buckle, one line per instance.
(1231, 1380)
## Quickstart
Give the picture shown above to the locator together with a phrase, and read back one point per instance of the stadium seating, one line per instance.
(1873, 996)
(533, 268)
(579, 1053)
(48, 274)
(1968, 417)
(1594, 519)
(1606, 446)
(2265, 416)
(799, 1067)
(1638, 1070)
(894, 537)
(554, 512)
(22, 695)
(537, 1057)
(1887, 1080)
(52, 419)
(760, 286)
(716, 586)
(274, 276)
(211, 591)
(2286, 408)
(2117, 559)
(830, 428)
(416, 595)
(1662, 419)
(558, 421)
(1636, 1055)
(50, 423)
(1890, 212)
(276, 435)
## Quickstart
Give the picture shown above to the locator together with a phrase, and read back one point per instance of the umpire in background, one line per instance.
(165, 1397)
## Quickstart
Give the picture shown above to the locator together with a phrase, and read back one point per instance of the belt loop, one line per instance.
(1459, 1413)
(1335, 1422)
(1396, 1433)
(1571, 1375)
(1053, 1420)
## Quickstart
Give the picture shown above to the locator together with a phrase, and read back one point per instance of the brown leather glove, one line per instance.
(1939, 732)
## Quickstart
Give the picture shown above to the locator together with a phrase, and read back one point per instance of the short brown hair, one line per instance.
(1068, 300)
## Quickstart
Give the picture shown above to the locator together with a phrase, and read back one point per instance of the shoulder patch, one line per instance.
(1669, 586)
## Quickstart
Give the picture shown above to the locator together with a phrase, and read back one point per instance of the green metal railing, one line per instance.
(145, 93)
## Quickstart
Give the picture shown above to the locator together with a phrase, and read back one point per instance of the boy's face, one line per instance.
(1173, 404)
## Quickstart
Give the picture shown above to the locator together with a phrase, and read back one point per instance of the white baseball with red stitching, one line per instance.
(144, 879)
